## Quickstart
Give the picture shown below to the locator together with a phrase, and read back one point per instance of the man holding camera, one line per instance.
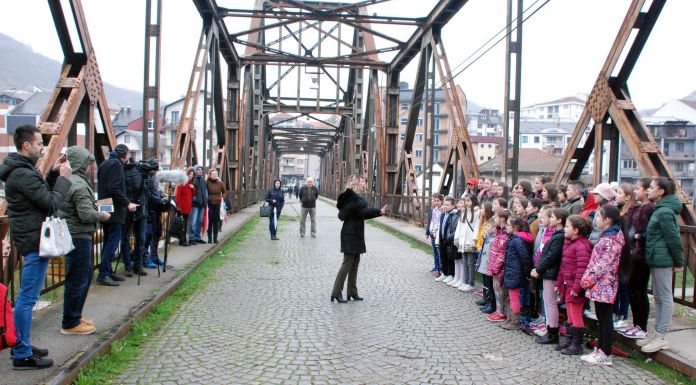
(112, 184)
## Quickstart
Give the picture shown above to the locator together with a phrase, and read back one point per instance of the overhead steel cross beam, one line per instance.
(209, 11)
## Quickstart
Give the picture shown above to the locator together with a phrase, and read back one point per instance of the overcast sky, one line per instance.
(564, 45)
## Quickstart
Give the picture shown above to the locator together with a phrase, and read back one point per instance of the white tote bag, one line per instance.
(55, 240)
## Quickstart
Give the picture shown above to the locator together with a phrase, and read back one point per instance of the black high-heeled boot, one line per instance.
(338, 298)
(354, 298)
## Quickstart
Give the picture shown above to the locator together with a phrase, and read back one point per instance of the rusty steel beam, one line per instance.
(78, 93)
(438, 17)
(331, 15)
(513, 47)
(151, 88)
(209, 11)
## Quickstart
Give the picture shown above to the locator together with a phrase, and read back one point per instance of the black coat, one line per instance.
(111, 182)
(29, 200)
(353, 210)
(448, 227)
(550, 260)
(308, 196)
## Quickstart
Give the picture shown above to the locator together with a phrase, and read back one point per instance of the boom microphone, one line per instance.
(175, 177)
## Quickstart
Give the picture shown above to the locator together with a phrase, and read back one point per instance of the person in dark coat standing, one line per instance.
(30, 200)
(353, 211)
(275, 198)
(308, 196)
(199, 202)
(112, 184)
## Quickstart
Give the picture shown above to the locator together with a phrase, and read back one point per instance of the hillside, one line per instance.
(20, 67)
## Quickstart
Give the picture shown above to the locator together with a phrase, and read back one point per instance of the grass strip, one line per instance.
(103, 369)
(406, 238)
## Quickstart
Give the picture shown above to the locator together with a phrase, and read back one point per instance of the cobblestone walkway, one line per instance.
(267, 319)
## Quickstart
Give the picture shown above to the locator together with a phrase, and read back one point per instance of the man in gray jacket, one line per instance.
(308, 196)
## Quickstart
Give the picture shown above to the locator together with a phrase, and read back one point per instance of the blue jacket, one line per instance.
(518, 260)
(278, 195)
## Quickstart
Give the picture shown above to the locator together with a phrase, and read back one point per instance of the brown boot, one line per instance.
(513, 322)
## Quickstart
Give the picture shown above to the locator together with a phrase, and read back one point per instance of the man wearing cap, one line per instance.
(603, 194)
(112, 184)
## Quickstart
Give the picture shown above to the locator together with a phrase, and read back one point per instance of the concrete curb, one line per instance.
(72, 367)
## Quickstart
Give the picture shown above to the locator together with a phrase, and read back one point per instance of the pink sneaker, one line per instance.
(496, 317)
(479, 292)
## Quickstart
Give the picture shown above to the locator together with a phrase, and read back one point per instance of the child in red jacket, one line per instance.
(576, 255)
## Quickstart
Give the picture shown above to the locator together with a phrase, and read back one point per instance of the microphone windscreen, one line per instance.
(175, 177)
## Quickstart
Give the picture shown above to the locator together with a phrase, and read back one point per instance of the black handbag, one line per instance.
(177, 227)
(266, 211)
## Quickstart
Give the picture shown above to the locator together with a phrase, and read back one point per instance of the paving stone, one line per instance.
(265, 318)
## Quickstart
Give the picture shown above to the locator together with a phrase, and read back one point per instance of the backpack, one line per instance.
(8, 333)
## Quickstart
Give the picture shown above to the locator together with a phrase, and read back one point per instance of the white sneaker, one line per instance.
(540, 332)
(597, 358)
(463, 286)
(448, 279)
(620, 325)
(658, 343)
(468, 287)
(590, 314)
(440, 278)
(648, 338)
(453, 282)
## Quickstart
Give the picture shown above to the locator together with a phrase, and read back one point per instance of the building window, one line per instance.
(525, 139)
(536, 139)
(680, 147)
(436, 154)
(419, 137)
(419, 153)
(419, 122)
(481, 145)
(404, 121)
(480, 157)
(126, 139)
(404, 106)
(300, 161)
(680, 166)
(402, 136)
(436, 139)
(150, 124)
(479, 125)
(490, 146)
(436, 124)
(437, 109)
(489, 158)
(419, 168)
(175, 117)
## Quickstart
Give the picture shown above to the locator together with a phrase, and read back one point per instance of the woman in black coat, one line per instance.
(352, 210)
(275, 198)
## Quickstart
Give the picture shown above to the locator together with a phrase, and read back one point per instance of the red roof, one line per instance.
(137, 124)
(530, 160)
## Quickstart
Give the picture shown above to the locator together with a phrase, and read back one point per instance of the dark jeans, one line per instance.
(446, 259)
(605, 326)
(128, 254)
(150, 246)
(348, 268)
(488, 286)
(638, 293)
(112, 239)
(621, 302)
(213, 220)
(183, 235)
(78, 277)
(33, 276)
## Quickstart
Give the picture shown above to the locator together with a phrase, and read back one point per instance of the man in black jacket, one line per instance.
(29, 202)
(308, 197)
(198, 205)
(112, 184)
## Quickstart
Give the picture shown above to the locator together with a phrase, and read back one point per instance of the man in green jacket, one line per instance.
(80, 212)
(664, 254)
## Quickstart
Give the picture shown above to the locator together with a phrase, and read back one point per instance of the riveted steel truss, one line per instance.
(614, 116)
(79, 94)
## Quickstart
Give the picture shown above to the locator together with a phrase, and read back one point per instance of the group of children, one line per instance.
(549, 248)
